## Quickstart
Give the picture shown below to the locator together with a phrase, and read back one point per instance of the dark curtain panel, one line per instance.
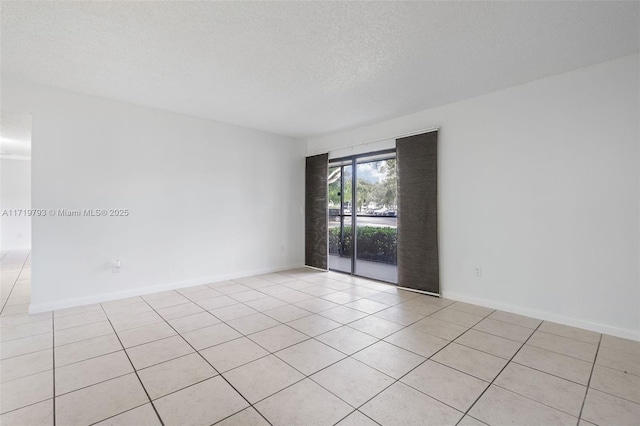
(418, 212)
(315, 207)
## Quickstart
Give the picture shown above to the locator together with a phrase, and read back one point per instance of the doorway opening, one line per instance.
(362, 214)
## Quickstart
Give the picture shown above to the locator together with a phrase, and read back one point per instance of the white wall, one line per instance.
(207, 200)
(539, 185)
(15, 193)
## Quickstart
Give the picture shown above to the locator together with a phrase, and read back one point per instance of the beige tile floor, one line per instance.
(299, 348)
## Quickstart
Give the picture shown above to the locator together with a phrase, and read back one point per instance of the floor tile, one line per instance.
(40, 414)
(42, 318)
(562, 345)
(498, 406)
(618, 360)
(550, 390)
(400, 316)
(145, 334)
(193, 322)
(96, 307)
(198, 292)
(376, 327)
(129, 321)
(353, 381)
(279, 337)
(357, 419)
(204, 403)
(504, 329)
(293, 296)
(217, 302)
(439, 328)
(25, 391)
(164, 302)
(341, 297)
(12, 332)
(170, 376)
(316, 305)
(261, 378)
(60, 323)
(247, 417)
(419, 306)
(266, 303)
(554, 363)
(470, 361)
(570, 332)
(210, 336)
(247, 296)
(389, 359)
(287, 313)
(159, 351)
(232, 354)
(342, 314)
(400, 404)
(137, 307)
(470, 421)
(367, 306)
(445, 384)
(253, 323)
(454, 316)
(91, 371)
(144, 415)
(386, 298)
(318, 290)
(232, 312)
(604, 409)
(179, 311)
(98, 402)
(304, 403)
(76, 334)
(313, 325)
(347, 340)
(160, 295)
(472, 309)
(515, 319)
(25, 365)
(309, 356)
(495, 345)
(232, 288)
(619, 344)
(417, 342)
(617, 383)
(86, 349)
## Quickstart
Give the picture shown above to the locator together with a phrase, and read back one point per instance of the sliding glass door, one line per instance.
(363, 216)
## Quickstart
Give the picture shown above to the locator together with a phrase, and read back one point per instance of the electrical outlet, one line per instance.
(477, 271)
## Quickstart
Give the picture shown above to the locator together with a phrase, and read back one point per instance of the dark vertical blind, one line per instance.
(315, 206)
(417, 158)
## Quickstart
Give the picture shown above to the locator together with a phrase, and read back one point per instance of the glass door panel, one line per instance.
(340, 229)
(377, 230)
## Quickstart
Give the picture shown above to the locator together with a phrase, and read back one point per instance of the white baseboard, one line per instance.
(105, 297)
(547, 316)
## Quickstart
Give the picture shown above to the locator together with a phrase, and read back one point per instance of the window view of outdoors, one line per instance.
(376, 209)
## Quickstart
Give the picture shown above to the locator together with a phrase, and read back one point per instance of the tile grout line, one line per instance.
(242, 335)
(207, 361)
(500, 372)
(272, 353)
(134, 370)
(586, 392)
(4, 305)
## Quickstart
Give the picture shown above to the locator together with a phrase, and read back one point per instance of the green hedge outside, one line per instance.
(374, 244)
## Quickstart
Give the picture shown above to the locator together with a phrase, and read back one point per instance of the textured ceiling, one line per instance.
(305, 68)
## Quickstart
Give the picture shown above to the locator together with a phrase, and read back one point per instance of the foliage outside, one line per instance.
(374, 243)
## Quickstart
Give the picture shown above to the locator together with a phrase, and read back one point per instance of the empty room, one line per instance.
(319, 213)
